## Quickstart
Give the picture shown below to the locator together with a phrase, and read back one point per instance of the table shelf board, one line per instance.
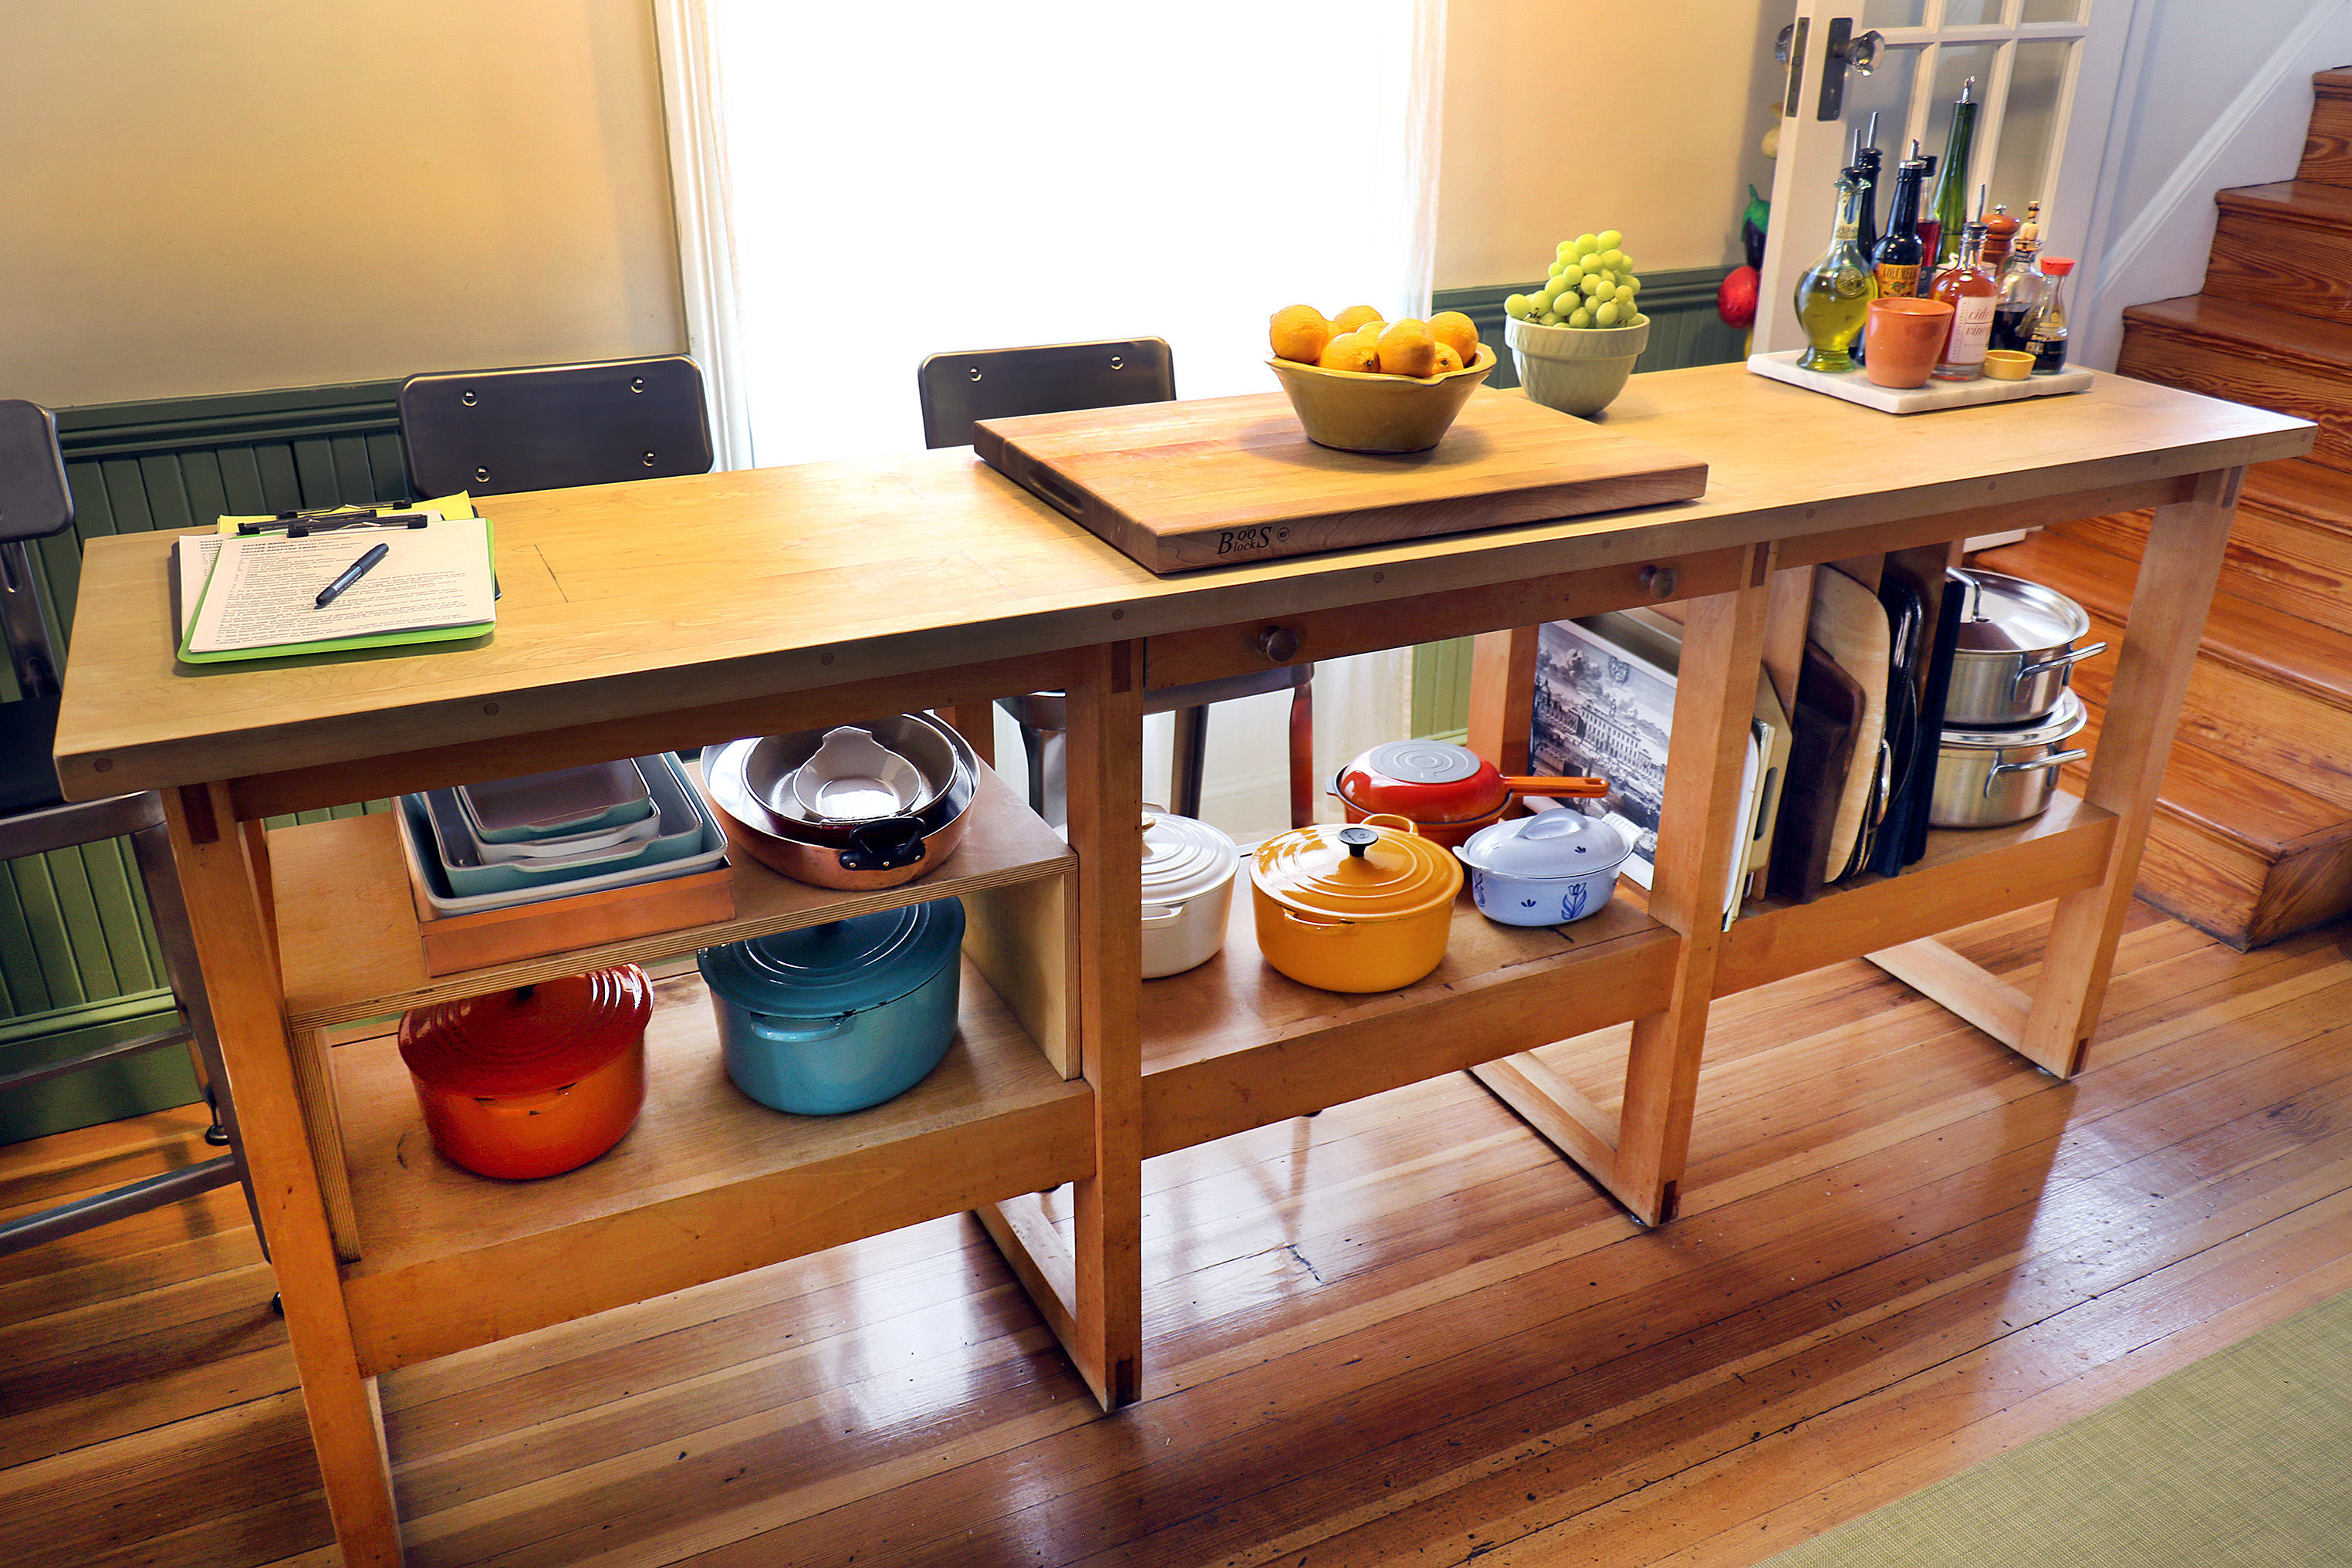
(348, 932)
(1966, 874)
(1233, 1045)
(709, 1183)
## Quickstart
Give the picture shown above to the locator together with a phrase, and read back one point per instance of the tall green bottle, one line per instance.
(1952, 182)
(1834, 295)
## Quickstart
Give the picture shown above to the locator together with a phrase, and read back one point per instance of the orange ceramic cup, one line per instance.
(1907, 338)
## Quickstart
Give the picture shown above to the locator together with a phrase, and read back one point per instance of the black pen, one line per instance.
(359, 569)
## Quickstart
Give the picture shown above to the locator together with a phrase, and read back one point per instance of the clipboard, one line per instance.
(191, 617)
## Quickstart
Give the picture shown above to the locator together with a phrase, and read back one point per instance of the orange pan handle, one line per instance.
(1592, 789)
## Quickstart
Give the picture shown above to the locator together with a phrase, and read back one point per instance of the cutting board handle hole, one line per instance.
(1049, 485)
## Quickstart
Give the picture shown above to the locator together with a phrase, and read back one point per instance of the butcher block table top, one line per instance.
(622, 601)
(1178, 486)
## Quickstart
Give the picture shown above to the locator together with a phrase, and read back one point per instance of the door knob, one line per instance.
(1279, 644)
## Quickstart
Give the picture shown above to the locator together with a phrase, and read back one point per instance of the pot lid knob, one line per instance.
(1359, 839)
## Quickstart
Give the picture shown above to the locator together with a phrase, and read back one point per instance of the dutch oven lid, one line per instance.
(1184, 858)
(2000, 614)
(530, 1039)
(2056, 725)
(1551, 844)
(841, 966)
(1366, 872)
(1421, 761)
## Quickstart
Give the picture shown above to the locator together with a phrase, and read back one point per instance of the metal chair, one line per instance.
(1056, 378)
(35, 818)
(492, 432)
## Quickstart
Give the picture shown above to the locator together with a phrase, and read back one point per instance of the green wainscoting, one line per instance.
(1684, 331)
(79, 964)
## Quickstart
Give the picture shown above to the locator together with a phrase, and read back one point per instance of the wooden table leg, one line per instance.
(240, 969)
(1640, 1158)
(2174, 590)
(1104, 774)
(1698, 837)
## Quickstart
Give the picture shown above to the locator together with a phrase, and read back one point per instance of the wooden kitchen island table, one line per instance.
(675, 613)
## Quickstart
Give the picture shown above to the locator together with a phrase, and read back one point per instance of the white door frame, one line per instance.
(1813, 151)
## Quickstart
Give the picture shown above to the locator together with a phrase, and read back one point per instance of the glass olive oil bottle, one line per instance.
(1834, 295)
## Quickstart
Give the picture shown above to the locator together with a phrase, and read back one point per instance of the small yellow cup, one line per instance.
(2008, 364)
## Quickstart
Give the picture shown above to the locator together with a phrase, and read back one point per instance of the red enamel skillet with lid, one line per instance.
(1450, 791)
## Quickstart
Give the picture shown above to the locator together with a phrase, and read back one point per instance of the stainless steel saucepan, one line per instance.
(1986, 778)
(2016, 652)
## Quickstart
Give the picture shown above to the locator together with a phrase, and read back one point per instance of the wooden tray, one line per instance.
(1226, 479)
(1854, 386)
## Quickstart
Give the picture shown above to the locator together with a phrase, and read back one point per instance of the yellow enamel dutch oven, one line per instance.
(1363, 908)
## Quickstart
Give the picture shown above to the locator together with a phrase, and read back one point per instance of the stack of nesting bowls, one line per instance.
(859, 806)
(1363, 908)
(1189, 867)
(835, 1017)
(554, 835)
(2009, 712)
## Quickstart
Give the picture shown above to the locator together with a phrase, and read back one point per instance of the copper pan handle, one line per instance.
(1591, 789)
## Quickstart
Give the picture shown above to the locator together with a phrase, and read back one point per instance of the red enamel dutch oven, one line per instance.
(535, 1080)
(1449, 792)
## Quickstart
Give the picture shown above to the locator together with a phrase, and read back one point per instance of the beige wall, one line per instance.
(246, 194)
(1654, 132)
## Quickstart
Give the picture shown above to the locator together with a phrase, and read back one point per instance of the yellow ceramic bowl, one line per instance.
(2006, 364)
(1358, 412)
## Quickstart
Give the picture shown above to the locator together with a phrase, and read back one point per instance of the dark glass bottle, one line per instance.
(1899, 255)
(2021, 285)
(1864, 173)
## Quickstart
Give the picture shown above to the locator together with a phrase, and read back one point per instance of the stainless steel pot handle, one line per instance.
(2027, 671)
(2054, 759)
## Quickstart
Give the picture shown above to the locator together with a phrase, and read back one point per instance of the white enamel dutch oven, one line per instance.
(1188, 890)
(1544, 870)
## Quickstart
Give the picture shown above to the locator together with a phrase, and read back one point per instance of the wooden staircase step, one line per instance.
(2237, 854)
(2287, 244)
(2277, 560)
(2310, 663)
(2249, 354)
(2312, 492)
(2327, 145)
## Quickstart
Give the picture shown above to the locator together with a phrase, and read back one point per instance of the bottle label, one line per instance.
(1897, 281)
(1971, 328)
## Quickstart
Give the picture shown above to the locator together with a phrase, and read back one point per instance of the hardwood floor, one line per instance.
(1400, 1332)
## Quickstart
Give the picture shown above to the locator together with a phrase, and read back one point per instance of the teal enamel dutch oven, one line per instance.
(837, 1017)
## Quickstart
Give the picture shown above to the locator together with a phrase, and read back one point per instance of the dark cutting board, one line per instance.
(1227, 480)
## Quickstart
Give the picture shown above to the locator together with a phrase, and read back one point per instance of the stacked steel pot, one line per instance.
(2009, 714)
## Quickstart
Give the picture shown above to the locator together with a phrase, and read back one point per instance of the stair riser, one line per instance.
(2314, 496)
(2266, 261)
(2273, 560)
(2226, 888)
(2288, 735)
(2328, 147)
(2250, 373)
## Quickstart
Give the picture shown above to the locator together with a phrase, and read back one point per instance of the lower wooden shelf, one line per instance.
(1233, 1045)
(708, 1183)
(1967, 874)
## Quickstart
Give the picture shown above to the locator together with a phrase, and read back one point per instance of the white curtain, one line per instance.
(897, 181)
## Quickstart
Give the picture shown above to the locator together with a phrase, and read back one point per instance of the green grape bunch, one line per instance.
(1591, 283)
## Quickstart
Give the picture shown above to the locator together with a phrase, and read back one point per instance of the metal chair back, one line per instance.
(1054, 378)
(492, 432)
(34, 504)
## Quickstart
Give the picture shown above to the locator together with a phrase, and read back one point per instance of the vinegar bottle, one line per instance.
(2045, 325)
(1973, 293)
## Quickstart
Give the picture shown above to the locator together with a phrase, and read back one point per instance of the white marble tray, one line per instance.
(1854, 386)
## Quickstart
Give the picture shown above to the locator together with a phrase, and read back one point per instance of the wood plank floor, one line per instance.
(1400, 1331)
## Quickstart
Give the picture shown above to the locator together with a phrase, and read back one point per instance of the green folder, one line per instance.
(336, 644)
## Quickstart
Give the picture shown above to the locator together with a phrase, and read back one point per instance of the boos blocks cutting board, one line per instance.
(1222, 480)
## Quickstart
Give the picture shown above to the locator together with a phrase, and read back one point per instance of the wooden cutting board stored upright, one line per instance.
(1228, 479)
